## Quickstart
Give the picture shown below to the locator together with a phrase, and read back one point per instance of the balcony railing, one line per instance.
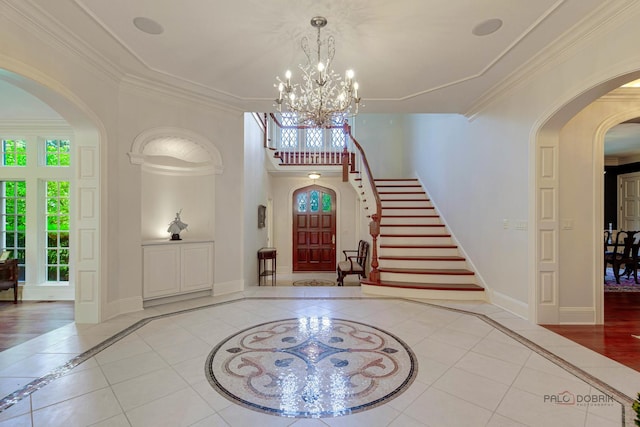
(297, 145)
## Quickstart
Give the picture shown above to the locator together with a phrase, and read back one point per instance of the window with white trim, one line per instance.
(35, 200)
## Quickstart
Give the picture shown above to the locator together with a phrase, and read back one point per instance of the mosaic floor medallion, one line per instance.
(311, 367)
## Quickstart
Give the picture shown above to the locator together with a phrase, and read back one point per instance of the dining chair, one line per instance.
(624, 252)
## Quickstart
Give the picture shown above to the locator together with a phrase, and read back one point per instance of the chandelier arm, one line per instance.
(323, 97)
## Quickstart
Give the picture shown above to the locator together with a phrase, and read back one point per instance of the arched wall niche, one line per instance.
(178, 169)
(89, 251)
(175, 151)
(545, 240)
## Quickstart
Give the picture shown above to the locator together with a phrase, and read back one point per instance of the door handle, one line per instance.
(333, 239)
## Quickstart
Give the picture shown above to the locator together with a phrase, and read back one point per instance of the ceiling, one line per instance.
(410, 56)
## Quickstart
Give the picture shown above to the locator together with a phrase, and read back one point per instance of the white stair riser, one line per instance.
(405, 196)
(427, 278)
(436, 265)
(412, 220)
(402, 182)
(393, 240)
(424, 211)
(406, 203)
(418, 251)
(413, 230)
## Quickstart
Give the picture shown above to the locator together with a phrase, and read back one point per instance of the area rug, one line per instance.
(314, 282)
(626, 284)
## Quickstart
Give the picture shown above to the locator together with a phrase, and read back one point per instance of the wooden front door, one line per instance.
(314, 229)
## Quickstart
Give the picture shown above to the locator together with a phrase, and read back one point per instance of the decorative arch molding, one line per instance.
(89, 276)
(175, 151)
(544, 305)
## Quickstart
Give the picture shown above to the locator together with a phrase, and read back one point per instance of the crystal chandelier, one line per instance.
(323, 97)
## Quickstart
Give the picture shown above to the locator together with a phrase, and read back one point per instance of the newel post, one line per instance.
(345, 153)
(374, 230)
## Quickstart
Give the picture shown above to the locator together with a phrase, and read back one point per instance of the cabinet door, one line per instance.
(161, 271)
(197, 267)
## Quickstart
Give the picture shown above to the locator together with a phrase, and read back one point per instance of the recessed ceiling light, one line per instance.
(147, 25)
(487, 27)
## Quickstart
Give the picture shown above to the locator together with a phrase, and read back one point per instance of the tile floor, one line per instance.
(478, 365)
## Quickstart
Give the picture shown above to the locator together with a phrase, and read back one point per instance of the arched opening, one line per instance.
(78, 133)
(569, 204)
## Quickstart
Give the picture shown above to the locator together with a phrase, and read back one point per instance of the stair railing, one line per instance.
(369, 196)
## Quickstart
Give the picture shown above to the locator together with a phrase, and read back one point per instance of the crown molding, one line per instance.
(27, 15)
(600, 20)
(32, 18)
(143, 86)
(48, 126)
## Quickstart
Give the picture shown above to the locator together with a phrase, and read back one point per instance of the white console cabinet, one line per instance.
(176, 267)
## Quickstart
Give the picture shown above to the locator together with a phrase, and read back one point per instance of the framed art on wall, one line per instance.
(262, 214)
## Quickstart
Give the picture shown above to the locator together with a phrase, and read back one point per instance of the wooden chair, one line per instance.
(9, 277)
(353, 264)
(624, 252)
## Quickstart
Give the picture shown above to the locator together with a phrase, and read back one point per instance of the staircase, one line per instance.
(417, 257)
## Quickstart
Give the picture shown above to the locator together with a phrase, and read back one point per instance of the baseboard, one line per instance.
(577, 316)
(42, 293)
(175, 298)
(509, 304)
(228, 287)
(122, 306)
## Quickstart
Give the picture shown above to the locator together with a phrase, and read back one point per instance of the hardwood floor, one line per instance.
(615, 338)
(29, 319)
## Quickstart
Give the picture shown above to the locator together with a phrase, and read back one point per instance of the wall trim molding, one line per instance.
(577, 316)
(508, 303)
(122, 306)
(223, 288)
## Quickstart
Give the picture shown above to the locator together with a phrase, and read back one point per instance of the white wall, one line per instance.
(382, 138)
(164, 195)
(257, 191)
(476, 182)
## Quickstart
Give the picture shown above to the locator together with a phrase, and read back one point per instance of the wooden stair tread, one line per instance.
(401, 192)
(408, 207)
(395, 179)
(419, 246)
(410, 216)
(422, 258)
(405, 200)
(426, 286)
(412, 225)
(416, 235)
(443, 271)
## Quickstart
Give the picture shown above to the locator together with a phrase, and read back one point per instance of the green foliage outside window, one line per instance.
(57, 231)
(14, 152)
(58, 152)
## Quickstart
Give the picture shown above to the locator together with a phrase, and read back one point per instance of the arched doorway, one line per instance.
(569, 206)
(314, 229)
(87, 279)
